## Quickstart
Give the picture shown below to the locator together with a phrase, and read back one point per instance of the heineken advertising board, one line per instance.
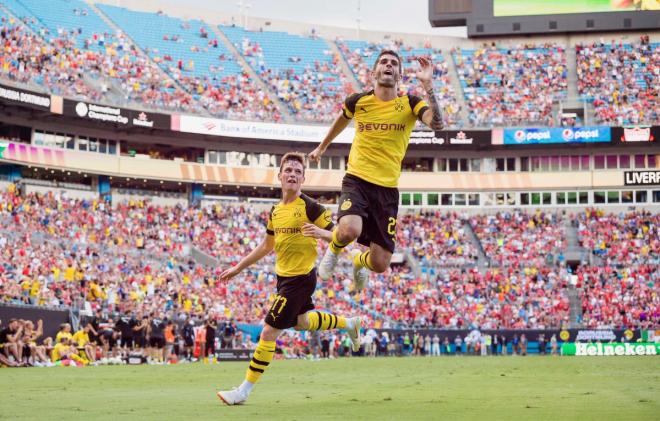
(613, 349)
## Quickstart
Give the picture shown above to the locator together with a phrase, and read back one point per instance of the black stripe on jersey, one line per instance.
(313, 209)
(413, 100)
(420, 114)
(256, 361)
(351, 102)
(258, 370)
(333, 323)
(270, 218)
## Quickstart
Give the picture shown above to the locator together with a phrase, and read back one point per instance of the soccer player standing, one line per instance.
(369, 201)
(294, 225)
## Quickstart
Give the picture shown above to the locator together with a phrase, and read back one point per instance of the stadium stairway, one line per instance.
(575, 308)
(344, 66)
(482, 260)
(199, 108)
(456, 85)
(412, 262)
(572, 96)
(283, 109)
(573, 251)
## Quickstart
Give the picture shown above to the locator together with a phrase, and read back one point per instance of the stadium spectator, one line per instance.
(621, 80)
(512, 85)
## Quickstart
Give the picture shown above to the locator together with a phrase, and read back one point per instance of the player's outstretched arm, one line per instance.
(266, 246)
(311, 230)
(337, 127)
(431, 117)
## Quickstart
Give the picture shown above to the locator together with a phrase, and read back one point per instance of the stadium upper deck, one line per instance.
(165, 62)
(217, 89)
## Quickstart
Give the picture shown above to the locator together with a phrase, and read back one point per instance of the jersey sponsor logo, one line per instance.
(285, 230)
(371, 127)
(346, 204)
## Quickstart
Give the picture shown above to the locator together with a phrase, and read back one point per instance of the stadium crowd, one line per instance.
(621, 80)
(512, 86)
(515, 238)
(622, 289)
(509, 86)
(133, 259)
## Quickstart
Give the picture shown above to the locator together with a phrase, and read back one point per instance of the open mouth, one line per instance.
(388, 72)
(291, 180)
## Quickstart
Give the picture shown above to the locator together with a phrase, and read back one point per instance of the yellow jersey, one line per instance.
(61, 335)
(382, 133)
(296, 254)
(81, 338)
(58, 351)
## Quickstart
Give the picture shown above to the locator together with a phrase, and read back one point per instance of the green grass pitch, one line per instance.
(508, 388)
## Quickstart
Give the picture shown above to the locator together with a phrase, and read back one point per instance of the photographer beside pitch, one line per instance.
(294, 225)
(369, 202)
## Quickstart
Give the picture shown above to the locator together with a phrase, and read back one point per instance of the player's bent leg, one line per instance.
(379, 258)
(318, 320)
(261, 359)
(376, 259)
(348, 229)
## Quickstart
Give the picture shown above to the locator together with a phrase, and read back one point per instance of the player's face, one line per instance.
(386, 72)
(292, 175)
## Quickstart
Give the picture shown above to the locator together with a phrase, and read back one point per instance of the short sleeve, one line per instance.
(269, 225)
(317, 213)
(349, 105)
(417, 105)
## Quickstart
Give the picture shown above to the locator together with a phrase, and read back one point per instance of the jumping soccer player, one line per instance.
(369, 201)
(294, 225)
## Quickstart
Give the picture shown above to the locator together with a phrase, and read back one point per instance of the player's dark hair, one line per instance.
(388, 53)
(293, 156)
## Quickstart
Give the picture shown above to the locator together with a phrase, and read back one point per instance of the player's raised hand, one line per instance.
(425, 72)
(315, 155)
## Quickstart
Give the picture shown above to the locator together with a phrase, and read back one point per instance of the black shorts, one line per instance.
(127, 342)
(377, 205)
(140, 341)
(157, 342)
(294, 297)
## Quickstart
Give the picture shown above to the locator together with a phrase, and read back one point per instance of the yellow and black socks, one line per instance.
(325, 321)
(337, 246)
(261, 358)
(363, 260)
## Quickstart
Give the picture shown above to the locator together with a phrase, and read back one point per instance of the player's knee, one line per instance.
(380, 265)
(269, 333)
(302, 323)
(348, 233)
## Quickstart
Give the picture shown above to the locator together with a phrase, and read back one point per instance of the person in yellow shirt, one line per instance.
(63, 351)
(86, 349)
(63, 333)
(293, 228)
(369, 202)
(69, 273)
